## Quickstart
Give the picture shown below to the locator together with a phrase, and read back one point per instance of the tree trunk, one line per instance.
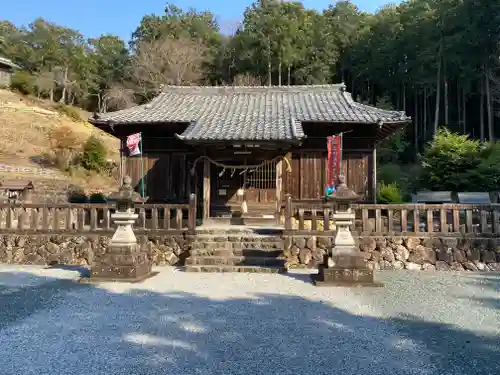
(438, 93)
(464, 110)
(51, 95)
(446, 106)
(415, 126)
(459, 108)
(65, 86)
(489, 109)
(279, 72)
(404, 97)
(481, 109)
(289, 76)
(398, 98)
(99, 102)
(269, 65)
(424, 122)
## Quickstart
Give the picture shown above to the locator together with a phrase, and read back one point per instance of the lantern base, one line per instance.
(122, 263)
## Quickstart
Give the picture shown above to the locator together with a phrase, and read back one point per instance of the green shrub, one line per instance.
(76, 194)
(94, 154)
(23, 82)
(486, 176)
(448, 161)
(389, 193)
(69, 111)
(392, 149)
(97, 198)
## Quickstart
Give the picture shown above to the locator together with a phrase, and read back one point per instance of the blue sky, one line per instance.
(121, 17)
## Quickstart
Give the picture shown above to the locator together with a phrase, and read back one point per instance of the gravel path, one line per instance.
(181, 323)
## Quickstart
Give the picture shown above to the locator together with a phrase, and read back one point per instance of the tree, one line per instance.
(416, 56)
(44, 83)
(110, 60)
(167, 61)
(118, 97)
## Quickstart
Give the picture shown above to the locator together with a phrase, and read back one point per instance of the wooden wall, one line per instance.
(307, 179)
(168, 179)
(5, 76)
(166, 176)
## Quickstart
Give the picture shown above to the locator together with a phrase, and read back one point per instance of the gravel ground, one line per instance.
(184, 323)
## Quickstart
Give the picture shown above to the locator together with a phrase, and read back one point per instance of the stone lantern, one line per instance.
(345, 265)
(123, 260)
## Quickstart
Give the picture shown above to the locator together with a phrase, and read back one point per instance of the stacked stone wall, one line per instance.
(80, 250)
(413, 253)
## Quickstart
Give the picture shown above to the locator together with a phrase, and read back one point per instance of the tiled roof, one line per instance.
(251, 113)
(9, 63)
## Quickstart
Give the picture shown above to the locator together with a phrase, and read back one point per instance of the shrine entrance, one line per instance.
(230, 187)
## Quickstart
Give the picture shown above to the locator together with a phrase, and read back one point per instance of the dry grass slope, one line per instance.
(24, 127)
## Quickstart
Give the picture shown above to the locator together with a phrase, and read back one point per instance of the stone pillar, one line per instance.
(124, 259)
(345, 265)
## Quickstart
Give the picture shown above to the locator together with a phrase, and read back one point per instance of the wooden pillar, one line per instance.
(374, 172)
(279, 187)
(206, 189)
(122, 161)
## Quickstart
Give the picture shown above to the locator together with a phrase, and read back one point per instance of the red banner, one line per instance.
(333, 162)
(133, 144)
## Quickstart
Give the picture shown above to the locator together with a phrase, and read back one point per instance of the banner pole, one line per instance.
(142, 166)
(341, 152)
(121, 159)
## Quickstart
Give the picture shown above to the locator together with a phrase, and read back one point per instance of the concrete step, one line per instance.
(228, 230)
(269, 253)
(234, 237)
(241, 269)
(234, 261)
(197, 244)
(263, 221)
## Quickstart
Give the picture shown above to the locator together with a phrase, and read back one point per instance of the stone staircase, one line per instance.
(261, 215)
(237, 250)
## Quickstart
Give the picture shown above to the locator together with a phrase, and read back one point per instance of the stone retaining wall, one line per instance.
(413, 253)
(79, 250)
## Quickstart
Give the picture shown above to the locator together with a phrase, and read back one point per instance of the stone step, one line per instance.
(244, 231)
(269, 253)
(242, 269)
(197, 244)
(236, 237)
(234, 261)
(261, 221)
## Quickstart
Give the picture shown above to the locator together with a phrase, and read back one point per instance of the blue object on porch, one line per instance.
(330, 190)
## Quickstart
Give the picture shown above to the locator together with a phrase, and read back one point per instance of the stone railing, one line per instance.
(314, 217)
(85, 218)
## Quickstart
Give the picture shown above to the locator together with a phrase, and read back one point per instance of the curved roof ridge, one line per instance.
(368, 108)
(132, 110)
(250, 89)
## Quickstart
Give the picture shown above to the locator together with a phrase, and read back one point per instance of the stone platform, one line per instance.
(344, 277)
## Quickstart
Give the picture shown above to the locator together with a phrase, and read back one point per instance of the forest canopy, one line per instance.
(436, 60)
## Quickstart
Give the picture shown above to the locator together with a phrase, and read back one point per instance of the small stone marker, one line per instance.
(345, 265)
(123, 260)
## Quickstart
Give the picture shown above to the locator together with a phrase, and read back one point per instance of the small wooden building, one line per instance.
(229, 144)
(16, 191)
(6, 69)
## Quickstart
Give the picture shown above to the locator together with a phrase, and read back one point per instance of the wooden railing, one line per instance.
(444, 219)
(316, 217)
(76, 218)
